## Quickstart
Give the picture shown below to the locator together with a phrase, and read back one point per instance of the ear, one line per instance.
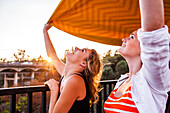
(83, 64)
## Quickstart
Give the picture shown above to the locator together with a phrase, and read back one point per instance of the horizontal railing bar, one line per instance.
(108, 81)
(38, 88)
(43, 88)
(25, 89)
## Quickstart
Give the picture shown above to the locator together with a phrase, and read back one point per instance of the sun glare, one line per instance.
(48, 59)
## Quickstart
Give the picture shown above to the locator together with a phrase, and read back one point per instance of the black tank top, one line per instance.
(80, 106)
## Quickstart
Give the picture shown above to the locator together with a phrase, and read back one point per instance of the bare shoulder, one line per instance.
(76, 80)
(72, 90)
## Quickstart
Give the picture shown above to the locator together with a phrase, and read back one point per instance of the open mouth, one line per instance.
(73, 52)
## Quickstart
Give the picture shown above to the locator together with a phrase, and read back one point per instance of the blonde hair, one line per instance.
(93, 74)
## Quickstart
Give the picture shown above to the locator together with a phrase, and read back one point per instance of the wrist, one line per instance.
(54, 94)
(55, 91)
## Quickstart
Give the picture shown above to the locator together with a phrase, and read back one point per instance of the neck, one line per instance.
(70, 69)
(134, 64)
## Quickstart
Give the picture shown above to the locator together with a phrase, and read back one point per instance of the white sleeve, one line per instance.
(155, 57)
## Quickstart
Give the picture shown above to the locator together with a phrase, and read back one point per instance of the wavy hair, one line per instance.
(93, 74)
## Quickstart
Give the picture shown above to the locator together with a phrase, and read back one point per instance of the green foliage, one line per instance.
(20, 106)
(7, 110)
(122, 67)
(114, 66)
(109, 74)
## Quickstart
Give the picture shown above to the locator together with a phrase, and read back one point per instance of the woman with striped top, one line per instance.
(144, 89)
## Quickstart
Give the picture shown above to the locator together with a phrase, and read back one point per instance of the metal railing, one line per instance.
(106, 85)
(106, 88)
(28, 90)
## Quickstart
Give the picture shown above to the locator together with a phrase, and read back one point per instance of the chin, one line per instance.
(120, 50)
(123, 52)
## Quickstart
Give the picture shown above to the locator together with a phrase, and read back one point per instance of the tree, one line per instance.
(108, 73)
(114, 66)
(20, 56)
(106, 58)
(3, 59)
(122, 67)
(40, 59)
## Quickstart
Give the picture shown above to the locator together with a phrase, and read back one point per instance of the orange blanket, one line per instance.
(103, 21)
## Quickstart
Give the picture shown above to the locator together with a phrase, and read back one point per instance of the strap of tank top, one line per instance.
(72, 74)
(60, 81)
(78, 74)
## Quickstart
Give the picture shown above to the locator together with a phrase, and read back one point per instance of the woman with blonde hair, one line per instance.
(144, 89)
(79, 82)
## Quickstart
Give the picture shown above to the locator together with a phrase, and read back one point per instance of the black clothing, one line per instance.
(80, 106)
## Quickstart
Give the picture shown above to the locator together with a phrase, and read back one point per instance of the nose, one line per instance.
(125, 39)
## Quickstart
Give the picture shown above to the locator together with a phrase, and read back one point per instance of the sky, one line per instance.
(21, 27)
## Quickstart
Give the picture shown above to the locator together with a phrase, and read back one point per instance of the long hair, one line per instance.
(93, 74)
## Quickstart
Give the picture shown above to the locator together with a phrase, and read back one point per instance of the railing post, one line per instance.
(43, 103)
(92, 108)
(105, 92)
(29, 103)
(13, 103)
(100, 102)
(110, 88)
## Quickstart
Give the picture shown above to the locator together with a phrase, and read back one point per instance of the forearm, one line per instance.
(53, 101)
(152, 14)
(59, 65)
(49, 46)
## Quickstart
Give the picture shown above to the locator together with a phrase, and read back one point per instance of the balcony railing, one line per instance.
(107, 87)
(28, 90)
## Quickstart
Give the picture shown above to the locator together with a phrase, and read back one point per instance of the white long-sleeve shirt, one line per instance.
(151, 84)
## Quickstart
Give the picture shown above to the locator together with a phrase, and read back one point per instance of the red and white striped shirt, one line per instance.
(120, 104)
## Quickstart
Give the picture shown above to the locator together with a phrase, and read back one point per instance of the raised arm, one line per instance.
(152, 14)
(58, 64)
(154, 45)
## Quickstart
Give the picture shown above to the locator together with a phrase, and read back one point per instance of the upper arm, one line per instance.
(152, 14)
(71, 91)
(155, 57)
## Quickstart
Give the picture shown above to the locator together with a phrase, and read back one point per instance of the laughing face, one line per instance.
(78, 55)
(130, 46)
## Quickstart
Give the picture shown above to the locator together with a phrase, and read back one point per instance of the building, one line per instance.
(22, 73)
